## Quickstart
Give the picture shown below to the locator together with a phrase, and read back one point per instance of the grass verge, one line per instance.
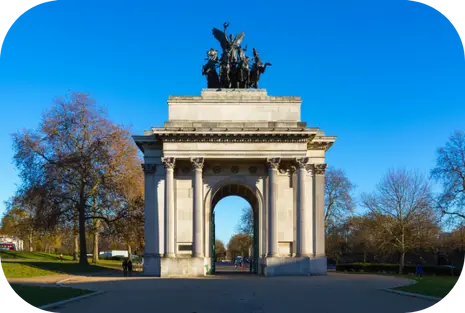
(434, 286)
(39, 296)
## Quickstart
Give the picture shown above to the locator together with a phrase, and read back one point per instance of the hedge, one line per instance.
(394, 268)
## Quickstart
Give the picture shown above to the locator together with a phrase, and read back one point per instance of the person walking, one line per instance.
(125, 267)
(61, 257)
(130, 267)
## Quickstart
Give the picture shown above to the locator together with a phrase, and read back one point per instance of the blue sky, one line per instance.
(386, 77)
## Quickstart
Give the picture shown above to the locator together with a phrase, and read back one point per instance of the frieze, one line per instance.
(233, 138)
(319, 145)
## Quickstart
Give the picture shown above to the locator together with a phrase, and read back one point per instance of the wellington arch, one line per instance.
(234, 142)
(234, 139)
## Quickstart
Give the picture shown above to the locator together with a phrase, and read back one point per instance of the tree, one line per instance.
(239, 245)
(338, 196)
(75, 161)
(220, 250)
(246, 223)
(403, 205)
(450, 172)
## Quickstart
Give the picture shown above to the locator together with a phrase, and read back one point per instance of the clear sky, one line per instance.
(385, 76)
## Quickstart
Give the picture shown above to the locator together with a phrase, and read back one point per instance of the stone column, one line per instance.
(169, 207)
(197, 236)
(303, 227)
(319, 196)
(273, 164)
(150, 211)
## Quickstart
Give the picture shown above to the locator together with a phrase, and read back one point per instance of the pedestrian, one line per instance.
(419, 270)
(130, 267)
(125, 267)
(61, 257)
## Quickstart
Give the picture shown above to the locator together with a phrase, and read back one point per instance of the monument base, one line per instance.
(175, 267)
(294, 266)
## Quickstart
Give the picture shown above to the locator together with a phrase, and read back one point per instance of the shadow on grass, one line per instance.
(70, 268)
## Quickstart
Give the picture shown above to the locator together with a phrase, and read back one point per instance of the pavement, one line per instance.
(337, 292)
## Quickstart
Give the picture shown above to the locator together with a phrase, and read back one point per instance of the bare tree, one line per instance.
(246, 223)
(450, 172)
(338, 196)
(403, 203)
(76, 160)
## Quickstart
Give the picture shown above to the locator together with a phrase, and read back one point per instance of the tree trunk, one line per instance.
(401, 263)
(129, 250)
(96, 235)
(82, 228)
(76, 243)
(30, 242)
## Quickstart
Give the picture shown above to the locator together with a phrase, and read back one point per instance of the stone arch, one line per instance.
(235, 186)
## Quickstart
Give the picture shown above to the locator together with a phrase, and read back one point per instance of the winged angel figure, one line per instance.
(229, 45)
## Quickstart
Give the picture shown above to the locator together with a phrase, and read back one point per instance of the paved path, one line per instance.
(336, 292)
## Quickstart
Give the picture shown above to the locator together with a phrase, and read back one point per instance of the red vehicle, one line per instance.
(7, 246)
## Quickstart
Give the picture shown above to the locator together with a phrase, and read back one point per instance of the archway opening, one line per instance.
(234, 221)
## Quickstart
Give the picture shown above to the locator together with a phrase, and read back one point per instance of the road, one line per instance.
(334, 293)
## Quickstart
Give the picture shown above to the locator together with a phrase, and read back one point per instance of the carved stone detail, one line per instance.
(253, 169)
(319, 145)
(302, 162)
(273, 163)
(320, 169)
(234, 169)
(197, 163)
(234, 138)
(168, 162)
(148, 168)
(216, 169)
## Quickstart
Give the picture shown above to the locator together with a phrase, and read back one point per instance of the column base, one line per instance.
(294, 266)
(152, 265)
(187, 266)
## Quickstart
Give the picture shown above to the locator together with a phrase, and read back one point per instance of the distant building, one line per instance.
(114, 253)
(10, 243)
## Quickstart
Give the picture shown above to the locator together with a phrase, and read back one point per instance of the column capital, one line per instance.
(168, 162)
(320, 169)
(197, 163)
(273, 163)
(302, 162)
(148, 168)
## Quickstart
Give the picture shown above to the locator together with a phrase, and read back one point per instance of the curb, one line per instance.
(414, 295)
(53, 305)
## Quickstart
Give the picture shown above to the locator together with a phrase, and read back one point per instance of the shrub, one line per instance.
(394, 268)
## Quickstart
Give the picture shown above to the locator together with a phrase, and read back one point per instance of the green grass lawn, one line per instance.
(38, 296)
(30, 264)
(435, 286)
(36, 256)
